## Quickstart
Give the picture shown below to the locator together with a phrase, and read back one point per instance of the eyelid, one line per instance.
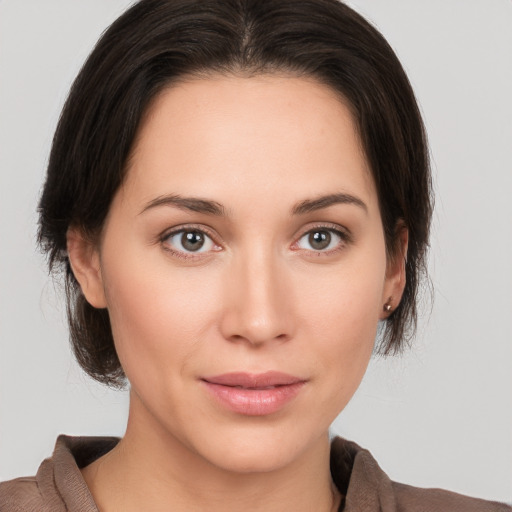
(205, 230)
(341, 231)
(330, 226)
(188, 227)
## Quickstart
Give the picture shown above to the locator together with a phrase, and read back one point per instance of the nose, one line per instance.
(257, 307)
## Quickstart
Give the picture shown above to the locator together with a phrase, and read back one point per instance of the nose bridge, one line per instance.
(257, 309)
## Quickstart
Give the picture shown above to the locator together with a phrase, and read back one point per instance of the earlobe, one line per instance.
(396, 273)
(85, 263)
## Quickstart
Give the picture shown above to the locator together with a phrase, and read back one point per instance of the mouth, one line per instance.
(254, 394)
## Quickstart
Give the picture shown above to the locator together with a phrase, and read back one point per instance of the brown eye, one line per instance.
(322, 240)
(192, 240)
(319, 240)
(189, 241)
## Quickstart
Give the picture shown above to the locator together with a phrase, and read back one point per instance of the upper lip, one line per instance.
(254, 380)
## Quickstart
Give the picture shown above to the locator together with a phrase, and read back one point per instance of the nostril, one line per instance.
(257, 340)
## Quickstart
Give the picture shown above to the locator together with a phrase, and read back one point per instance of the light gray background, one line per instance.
(440, 415)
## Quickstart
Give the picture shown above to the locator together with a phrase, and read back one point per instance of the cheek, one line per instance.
(345, 344)
(345, 332)
(157, 315)
(347, 300)
(343, 313)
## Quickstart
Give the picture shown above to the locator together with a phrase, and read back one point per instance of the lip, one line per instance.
(254, 394)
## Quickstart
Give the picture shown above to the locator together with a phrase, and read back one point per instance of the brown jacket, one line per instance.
(59, 486)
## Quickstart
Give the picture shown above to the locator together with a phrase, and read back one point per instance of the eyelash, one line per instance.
(344, 236)
(188, 229)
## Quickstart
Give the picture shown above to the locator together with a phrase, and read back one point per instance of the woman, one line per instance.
(239, 194)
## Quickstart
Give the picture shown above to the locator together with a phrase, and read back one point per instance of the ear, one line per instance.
(84, 259)
(395, 273)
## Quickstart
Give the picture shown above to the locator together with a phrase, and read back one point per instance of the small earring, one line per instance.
(387, 307)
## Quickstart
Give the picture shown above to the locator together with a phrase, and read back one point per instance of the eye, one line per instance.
(321, 240)
(189, 241)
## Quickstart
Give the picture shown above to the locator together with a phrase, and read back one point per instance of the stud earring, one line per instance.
(387, 307)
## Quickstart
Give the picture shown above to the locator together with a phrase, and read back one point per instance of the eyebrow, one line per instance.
(210, 207)
(192, 204)
(312, 205)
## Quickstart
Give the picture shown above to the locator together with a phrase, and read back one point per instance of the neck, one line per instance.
(152, 470)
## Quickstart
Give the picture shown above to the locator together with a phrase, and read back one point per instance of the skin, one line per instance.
(258, 297)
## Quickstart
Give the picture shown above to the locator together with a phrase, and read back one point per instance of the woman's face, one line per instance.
(244, 268)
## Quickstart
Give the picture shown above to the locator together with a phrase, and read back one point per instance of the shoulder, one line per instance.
(367, 487)
(25, 495)
(409, 498)
(58, 485)
(19, 494)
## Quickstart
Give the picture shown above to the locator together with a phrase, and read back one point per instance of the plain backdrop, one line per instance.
(438, 416)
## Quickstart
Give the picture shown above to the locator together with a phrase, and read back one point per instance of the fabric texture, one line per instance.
(59, 487)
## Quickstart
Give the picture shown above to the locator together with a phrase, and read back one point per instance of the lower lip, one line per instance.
(254, 402)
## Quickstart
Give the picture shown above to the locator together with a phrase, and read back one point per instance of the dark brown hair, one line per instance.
(155, 43)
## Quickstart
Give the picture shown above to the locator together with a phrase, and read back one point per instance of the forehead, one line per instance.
(265, 134)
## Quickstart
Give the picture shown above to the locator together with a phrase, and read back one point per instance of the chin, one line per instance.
(249, 457)
(260, 449)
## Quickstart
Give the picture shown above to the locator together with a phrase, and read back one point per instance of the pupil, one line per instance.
(320, 239)
(192, 241)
